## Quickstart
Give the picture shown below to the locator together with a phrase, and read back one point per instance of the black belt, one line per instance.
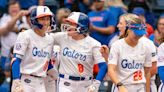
(36, 76)
(74, 78)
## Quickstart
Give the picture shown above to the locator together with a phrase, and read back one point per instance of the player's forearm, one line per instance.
(147, 76)
(102, 72)
(10, 25)
(107, 31)
(153, 69)
(16, 68)
(161, 73)
(112, 74)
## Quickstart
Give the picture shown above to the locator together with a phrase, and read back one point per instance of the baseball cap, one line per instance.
(138, 11)
(162, 15)
(138, 29)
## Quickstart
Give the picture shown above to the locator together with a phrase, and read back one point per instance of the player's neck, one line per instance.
(40, 32)
(131, 42)
(78, 37)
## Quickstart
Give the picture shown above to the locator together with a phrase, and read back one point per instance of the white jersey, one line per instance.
(77, 57)
(36, 51)
(152, 49)
(160, 55)
(130, 61)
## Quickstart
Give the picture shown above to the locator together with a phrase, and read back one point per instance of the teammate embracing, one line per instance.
(78, 54)
(130, 59)
(32, 53)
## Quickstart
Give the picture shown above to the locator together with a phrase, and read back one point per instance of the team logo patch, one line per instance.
(18, 46)
(67, 83)
(27, 80)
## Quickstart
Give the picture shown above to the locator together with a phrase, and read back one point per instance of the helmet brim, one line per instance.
(43, 15)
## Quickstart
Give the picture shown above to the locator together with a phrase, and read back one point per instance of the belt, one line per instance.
(74, 78)
(36, 76)
(33, 75)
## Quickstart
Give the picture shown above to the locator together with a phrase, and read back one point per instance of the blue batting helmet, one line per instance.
(38, 12)
(82, 21)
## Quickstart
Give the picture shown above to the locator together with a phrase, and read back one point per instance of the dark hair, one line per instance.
(12, 2)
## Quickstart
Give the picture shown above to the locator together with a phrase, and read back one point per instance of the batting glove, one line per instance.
(94, 87)
(16, 86)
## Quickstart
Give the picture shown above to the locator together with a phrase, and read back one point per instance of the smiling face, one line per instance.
(160, 25)
(45, 21)
(122, 26)
(72, 29)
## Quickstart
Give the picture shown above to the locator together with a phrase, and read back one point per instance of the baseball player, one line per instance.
(32, 52)
(129, 59)
(160, 65)
(152, 49)
(78, 53)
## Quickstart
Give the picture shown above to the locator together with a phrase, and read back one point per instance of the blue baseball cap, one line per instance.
(138, 29)
(138, 11)
(161, 16)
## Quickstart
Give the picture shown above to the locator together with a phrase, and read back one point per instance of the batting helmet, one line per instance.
(41, 11)
(82, 21)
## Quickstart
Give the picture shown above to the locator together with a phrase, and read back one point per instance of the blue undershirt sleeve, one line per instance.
(16, 68)
(161, 73)
(102, 71)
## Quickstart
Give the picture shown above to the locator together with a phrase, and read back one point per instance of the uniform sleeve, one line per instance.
(153, 52)
(114, 54)
(21, 44)
(97, 54)
(58, 37)
(160, 55)
(148, 62)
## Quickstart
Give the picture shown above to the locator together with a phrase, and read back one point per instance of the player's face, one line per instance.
(122, 26)
(14, 9)
(99, 5)
(161, 25)
(72, 29)
(70, 26)
(45, 21)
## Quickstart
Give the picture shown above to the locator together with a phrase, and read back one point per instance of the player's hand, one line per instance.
(22, 13)
(91, 27)
(16, 86)
(105, 51)
(94, 87)
(53, 73)
(122, 89)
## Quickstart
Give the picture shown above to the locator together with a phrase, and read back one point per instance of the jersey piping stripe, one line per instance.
(58, 81)
(162, 87)
(114, 88)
